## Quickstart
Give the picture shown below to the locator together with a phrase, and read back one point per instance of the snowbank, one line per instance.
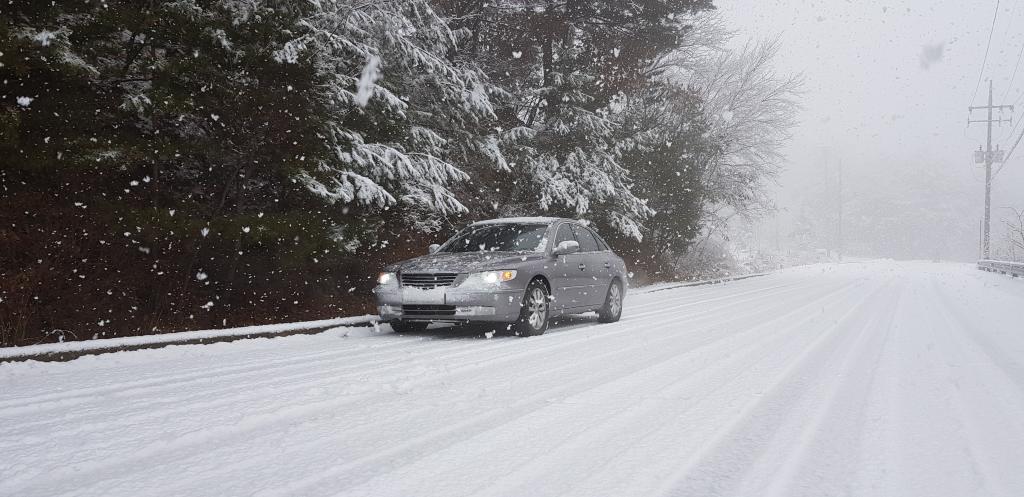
(184, 336)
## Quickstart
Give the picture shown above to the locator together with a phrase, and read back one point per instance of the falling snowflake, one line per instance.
(25, 101)
(44, 37)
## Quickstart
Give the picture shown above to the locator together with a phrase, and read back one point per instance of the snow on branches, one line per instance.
(397, 113)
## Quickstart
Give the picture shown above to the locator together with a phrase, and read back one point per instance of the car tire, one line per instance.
(407, 326)
(612, 309)
(533, 317)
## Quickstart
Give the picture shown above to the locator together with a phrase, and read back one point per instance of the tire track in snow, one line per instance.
(253, 422)
(926, 452)
(669, 380)
(412, 416)
(1013, 370)
(271, 374)
(809, 288)
(62, 400)
(982, 380)
(833, 424)
(627, 376)
(683, 429)
(197, 374)
(740, 439)
(181, 403)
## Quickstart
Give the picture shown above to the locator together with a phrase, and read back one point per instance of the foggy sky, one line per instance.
(887, 86)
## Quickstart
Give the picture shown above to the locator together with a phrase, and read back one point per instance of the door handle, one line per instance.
(583, 267)
(607, 264)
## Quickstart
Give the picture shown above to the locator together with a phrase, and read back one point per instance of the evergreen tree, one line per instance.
(198, 163)
(563, 66)
(666, 147)
(195, 160)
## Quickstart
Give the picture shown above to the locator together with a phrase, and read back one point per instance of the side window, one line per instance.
(601, 245)
(564, 234)
(587, 241)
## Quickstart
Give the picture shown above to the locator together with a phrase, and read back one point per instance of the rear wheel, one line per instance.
(407, 326)
(612, 309)
(533, 318)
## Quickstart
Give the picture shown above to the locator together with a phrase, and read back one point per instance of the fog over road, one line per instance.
(876, 379)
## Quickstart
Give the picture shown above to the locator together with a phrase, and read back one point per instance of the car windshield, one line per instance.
(498, 238)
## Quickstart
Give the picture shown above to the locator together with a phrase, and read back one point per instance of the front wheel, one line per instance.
(612, 309)
(533, 318)
(407, 326)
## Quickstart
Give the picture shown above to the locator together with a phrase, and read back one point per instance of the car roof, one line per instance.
(520, 220)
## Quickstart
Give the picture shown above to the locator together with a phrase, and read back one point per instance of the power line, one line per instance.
(984, 61)
(1013, 129)
(1009, 25)
(1010, 153)
(1014, 76)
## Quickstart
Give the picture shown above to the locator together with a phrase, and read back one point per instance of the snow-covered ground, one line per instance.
(865, 379)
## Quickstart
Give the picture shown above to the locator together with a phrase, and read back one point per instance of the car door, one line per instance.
(594, 280)
(607, 259)
(567, 279)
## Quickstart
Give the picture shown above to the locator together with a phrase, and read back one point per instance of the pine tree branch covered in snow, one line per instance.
(200, 163)
(563, 68)
(398, 114)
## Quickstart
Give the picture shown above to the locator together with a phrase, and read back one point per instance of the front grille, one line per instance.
(428, 310)
(427, 280)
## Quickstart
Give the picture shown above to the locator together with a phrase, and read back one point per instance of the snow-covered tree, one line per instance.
(563, 67)
(260, 143)
(751, 109)
(399, 118)
(664, 143)
(195, 161)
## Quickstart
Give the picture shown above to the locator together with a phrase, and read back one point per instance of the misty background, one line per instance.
(886, 91)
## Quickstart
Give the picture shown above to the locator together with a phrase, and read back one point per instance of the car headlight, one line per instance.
(492, 277)
(385, 278)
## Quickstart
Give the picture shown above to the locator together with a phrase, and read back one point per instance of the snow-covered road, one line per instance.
(864, 379)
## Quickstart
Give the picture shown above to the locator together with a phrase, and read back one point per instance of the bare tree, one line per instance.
(1015, 235)
(752, 110)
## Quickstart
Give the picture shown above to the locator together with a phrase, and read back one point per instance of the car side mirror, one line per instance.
(433, 248)
(566, 247)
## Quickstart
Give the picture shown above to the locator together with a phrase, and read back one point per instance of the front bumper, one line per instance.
(454, 305)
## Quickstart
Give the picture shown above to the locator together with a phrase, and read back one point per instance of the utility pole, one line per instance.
(840, 209)
(988, 158)
(981, 239)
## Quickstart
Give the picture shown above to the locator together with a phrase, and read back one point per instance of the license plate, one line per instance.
(412, 295)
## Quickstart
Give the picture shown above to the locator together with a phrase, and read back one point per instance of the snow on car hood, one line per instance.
(464, 262)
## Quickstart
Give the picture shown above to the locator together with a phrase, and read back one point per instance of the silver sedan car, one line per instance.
(520, 271)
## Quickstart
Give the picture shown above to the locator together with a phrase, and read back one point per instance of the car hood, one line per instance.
(464, 262)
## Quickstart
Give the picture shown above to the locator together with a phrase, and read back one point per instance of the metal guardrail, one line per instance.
(1004, 267)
